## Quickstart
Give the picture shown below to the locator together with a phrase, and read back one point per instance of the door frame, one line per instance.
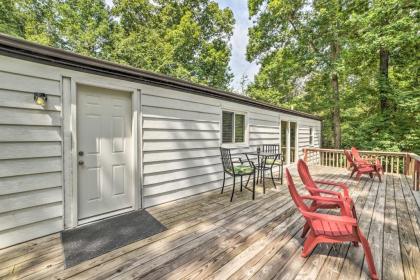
(70, 87)
(287, 156)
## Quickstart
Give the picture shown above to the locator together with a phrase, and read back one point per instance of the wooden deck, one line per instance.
(211, 238)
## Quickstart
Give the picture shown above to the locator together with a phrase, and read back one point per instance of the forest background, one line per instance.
(354, 63)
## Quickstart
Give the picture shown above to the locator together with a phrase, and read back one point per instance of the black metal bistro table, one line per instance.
(262, 166)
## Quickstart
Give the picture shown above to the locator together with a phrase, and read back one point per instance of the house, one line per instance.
(74, 129)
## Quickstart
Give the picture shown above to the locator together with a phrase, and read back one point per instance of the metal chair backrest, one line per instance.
(226, 159)
(272, 148)
(294, 193)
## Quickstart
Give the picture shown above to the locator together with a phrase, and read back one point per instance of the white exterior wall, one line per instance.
(31, 194)
(181, 135)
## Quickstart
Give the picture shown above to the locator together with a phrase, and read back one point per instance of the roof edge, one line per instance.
(20, 47)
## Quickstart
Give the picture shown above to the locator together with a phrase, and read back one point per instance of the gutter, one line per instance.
(31, 51)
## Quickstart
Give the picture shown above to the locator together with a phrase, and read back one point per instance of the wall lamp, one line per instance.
(40, 98)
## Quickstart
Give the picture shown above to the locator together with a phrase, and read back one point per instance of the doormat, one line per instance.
(89, 241)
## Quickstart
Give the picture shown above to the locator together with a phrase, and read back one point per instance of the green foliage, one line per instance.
(299, 44)
(291, 40)
(9, 18)
(184, 39)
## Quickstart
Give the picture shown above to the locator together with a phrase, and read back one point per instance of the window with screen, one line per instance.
(311, 136)
(233, 127)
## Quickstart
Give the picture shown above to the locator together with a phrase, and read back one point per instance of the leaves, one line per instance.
(292, 40)
(300, 45)
(184, 39)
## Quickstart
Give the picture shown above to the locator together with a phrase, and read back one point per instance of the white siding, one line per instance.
(304, 130)
(30, 157)
(180, 144)
(181, 134)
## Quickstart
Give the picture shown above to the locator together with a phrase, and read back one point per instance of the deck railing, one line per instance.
(392, 162)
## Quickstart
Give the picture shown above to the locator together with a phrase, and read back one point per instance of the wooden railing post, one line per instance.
(392, 162)
(416, 176)
(305, 154)
(407, 164)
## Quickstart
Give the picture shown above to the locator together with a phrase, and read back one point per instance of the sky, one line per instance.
(238, 63)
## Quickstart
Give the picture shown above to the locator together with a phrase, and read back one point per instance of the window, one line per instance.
(233, 127)
(311, 136)
(292, 133)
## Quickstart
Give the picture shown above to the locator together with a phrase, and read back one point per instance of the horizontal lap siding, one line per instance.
(263, 129)
(181, 139)
(31, 200)
(180, 145)
(304, 133)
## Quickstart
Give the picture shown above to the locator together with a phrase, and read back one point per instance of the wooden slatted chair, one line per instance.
(312, 186)
(325, 228)
(236, 171)
(368, 161)
(361, 168)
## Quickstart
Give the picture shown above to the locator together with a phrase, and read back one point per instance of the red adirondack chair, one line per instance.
(376, 163)
(314, 190)
(325, 228)
(311, 185)
(361, 168)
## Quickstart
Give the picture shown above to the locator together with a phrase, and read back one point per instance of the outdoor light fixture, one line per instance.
(40, 98)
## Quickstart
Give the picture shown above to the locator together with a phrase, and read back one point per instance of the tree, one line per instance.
(185, 39)
(37, 19)
(295, 42)
(9, 18)
(354, 63)
(85, 27)
(385, 28)
(382, 61)
(243, 84)
(81, 26)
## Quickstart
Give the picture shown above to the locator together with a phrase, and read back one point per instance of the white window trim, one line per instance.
(246, 130)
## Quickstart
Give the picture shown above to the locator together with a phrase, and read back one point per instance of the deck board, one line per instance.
(209, 237)
(392, 266)
(408, 244)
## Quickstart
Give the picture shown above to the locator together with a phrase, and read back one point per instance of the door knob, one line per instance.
(81, 162)
(81, 153)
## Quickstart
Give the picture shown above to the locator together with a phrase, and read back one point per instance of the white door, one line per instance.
(104, 146)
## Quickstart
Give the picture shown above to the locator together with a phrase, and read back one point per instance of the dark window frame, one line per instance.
(233, 127)
(311, 136)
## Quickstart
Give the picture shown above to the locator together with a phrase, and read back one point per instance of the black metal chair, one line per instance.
(273, 148)
(238, 170)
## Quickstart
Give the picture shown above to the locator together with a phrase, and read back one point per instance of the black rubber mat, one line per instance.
(98, 238)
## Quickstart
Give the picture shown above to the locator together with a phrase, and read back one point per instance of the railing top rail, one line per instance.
(412, 155)
(391, 162)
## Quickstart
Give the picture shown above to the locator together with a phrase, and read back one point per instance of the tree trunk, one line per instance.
(383, 79)
(336, 112)
(336, 98)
